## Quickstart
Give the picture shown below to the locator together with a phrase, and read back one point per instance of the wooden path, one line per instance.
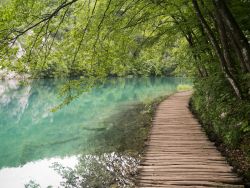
(179, 154)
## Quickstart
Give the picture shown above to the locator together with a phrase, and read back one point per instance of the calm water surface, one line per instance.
(33, 139)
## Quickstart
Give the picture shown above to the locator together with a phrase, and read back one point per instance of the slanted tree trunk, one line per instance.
(238, 53)
(236, 32)
(218, 51)
(224, 42)
(190, 39)
(202, 69)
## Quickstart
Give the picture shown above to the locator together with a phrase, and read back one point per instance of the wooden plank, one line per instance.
(178, 153)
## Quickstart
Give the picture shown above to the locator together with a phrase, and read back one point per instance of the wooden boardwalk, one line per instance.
(179, 154)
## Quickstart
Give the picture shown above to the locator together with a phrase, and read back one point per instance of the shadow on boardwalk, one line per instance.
(179, 154)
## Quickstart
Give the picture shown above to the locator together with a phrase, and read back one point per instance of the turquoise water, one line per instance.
(30, 132)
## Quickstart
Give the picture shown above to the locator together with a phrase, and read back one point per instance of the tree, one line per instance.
(207, 40)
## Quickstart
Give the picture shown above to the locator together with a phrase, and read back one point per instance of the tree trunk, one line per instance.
(224, 44)
(218, 51)
(189, 38)
(238, 53)
(235, 30)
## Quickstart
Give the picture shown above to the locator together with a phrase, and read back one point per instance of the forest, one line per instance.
(88, 41)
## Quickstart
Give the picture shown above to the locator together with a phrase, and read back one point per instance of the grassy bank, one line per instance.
(226, 122)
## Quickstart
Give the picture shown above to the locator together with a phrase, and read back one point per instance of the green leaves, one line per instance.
(100, 37)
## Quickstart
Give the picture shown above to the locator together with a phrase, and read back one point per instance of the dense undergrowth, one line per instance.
(226, 121)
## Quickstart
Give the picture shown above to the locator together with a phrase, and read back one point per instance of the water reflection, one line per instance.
(40, 171)
(105, 170)
(104, 120)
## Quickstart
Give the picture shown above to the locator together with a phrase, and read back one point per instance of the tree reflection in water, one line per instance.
(105, 170)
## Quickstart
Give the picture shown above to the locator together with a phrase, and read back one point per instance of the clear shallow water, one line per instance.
(33, 138)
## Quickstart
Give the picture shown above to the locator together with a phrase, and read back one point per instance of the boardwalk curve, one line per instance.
(178, 153)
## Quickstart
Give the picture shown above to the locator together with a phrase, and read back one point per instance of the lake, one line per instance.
(95, 140)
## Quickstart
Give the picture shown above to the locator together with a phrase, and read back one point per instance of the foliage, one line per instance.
(81, 40)
(184, 87)
(225, 118)
(218, 108)
(207, 40)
